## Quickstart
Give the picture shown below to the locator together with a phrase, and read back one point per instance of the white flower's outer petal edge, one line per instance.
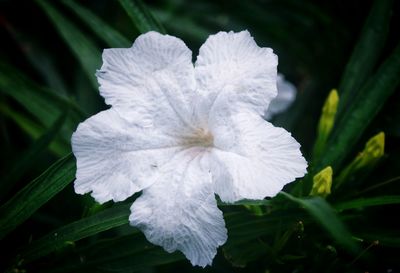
(115, 158)
(179, 211)
(145, 141)
(286, 95)
(254, 159)
(234, 61)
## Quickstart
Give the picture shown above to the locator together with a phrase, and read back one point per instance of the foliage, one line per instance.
(339, 218)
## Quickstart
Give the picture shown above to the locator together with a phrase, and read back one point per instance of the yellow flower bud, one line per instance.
(322, 183)
(326, 121)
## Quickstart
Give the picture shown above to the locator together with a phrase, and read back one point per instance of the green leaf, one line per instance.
(365, 54)
(368, 202)
(383, 237)
(108, 34)
(84, 49)
(128, 253)
(364, 108)
(39, 59)
(46, 106)
(34, 130)
(327, 218)
(31, 155)
(183, 24)
(247, 202)
(104, 220)
(245, 231)
(141, 16)
(36, 194)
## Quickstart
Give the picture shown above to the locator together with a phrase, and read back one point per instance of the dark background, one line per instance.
(313, 39)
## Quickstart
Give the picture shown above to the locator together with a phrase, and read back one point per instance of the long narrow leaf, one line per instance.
(383, 237)
(31, 155)
(141, 16)
(245, 230)
(368, 202)
(128, 253)
(84, 49)
(44, 105)
(108, 34)
(326, 217)
(39, 59)
(356, 119)
(36, 194)
(366, 52)
(104, 220)
(59, 147)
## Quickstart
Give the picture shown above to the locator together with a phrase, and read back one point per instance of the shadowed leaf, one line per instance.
(141, 16)
(108, 34)
(104, 220)
(36, 194)
(32, 154)
(327, 218)
(87, 53)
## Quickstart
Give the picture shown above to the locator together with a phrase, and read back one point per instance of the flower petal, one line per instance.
(115, 158)
(286, 95)
(233, 61)
(151, 83)
(253, 159)
(179, 211)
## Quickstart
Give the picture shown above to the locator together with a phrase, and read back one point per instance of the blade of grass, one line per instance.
(102, 221)
(327, 218)
(128, 253)
(141, 17)
(366, 53)
(378, 185)
(36, 193)
(32, 154)
(245, 230)
(365, 107)
(32, 128)
(247, 202)
(384, 237)
(183, 24)
(59, 147)
(368, 202)
(46, 106)
(108, 34)
(107, 219)
(87, 53)
(39, 59)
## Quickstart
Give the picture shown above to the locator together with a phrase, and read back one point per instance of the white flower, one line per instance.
(181, 134)
(285, 97)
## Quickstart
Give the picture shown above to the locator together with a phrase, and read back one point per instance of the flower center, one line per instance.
(200, 137)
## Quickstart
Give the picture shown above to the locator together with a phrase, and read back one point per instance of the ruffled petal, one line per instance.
(253, 159)
(152, 83)
(179, 211)
(232, 62)
(115, 158)
(286, 95)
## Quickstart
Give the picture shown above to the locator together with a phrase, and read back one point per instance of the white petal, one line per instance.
(253, 159)
(232, 62)
(151, 83)
(286, 96)
(115, 159)
(179, 211)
